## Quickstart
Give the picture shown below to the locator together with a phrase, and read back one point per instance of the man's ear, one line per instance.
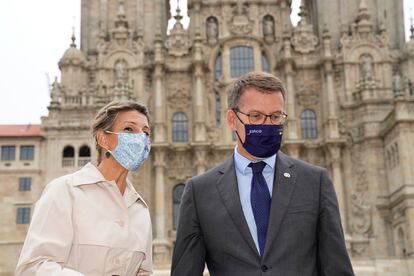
(231, 119)
(101, 139)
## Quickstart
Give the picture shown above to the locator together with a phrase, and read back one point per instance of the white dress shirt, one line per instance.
(82, 225)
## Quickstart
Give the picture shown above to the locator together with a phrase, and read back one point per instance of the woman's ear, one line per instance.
(101, 139)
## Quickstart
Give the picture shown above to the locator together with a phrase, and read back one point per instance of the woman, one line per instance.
(93, 222)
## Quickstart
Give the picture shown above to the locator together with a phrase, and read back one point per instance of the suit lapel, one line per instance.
(227, 187)
(283, 187)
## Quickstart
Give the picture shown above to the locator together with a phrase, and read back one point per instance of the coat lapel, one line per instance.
(283, 187)
(227, 187)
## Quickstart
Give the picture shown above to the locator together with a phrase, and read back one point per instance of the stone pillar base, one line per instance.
(162, 253)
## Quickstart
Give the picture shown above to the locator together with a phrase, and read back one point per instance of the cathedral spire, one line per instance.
(121, 17)
(239, 7)
(121, 9)
(363, 20)
(73, 38)
(303, 13)
(363, 12)
(178, 15)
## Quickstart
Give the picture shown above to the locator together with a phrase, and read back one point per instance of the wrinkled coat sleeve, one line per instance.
(49, 238)
(333, 256)
(189, 251)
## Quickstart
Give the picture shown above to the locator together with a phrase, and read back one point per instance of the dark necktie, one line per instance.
(260, 200)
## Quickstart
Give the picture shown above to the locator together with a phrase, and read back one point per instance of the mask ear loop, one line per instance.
(108, 152)
(235, 113)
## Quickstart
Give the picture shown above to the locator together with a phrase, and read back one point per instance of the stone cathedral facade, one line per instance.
(349, 76)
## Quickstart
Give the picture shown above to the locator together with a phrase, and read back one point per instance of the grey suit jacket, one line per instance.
(304, 236)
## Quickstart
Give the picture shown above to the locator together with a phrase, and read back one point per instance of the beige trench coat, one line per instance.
(82, 225)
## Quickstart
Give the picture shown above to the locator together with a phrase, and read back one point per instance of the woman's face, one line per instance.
(127, 122)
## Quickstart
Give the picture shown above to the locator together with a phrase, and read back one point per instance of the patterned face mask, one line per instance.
(132, 149)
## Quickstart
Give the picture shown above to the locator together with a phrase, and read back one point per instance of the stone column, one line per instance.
(409, 232)
(335, 152)
(159, 125)
(293, 150)
(200, 159)
(290, 90)
(333, 130)
(257, 54)
(200, 127)
(161, 245)
(226, 76)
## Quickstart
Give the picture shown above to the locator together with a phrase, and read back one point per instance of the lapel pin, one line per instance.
(287, 175)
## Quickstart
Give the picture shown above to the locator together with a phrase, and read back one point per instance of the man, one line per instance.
(261, 212)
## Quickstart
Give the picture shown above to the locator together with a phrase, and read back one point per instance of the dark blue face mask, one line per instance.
(262, 140)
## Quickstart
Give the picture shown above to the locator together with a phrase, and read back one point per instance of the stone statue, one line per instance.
(268, 26)
(397, 83)
(212, 30)
(366, 67)
(121, 71)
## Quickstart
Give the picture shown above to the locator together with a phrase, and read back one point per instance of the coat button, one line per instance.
(120, 223)
(264, 268)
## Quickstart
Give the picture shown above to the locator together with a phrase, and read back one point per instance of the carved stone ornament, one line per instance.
(361, 215)
(120, 36)
(179, 99)
(240, 24)
(362, 31)
(307, 98)
(304, 40)
(361, 210)
(307, 94)
(180, 168)
(359, 247)
(178, 42)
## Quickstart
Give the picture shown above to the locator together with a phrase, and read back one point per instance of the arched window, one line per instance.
(68, 157)
(84, 151)
(308, 124)
(241, 60)
(68, 152)
(265, 63)
(218, 109)
(177, 194)
(217, 68)
(84, 155)
(180, 127)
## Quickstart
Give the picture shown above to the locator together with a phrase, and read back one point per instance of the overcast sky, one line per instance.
(34, 36)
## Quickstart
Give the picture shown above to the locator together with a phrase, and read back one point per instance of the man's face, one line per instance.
(253, 101)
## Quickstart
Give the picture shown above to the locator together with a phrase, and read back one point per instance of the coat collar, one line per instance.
(283, 186)
(89, 174)
(228, 190)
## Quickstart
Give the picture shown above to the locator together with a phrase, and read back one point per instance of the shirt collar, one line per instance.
(89, 174)
(242, 162)
(133, 194)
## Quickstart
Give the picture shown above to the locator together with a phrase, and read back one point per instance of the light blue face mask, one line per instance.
(132, 149)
